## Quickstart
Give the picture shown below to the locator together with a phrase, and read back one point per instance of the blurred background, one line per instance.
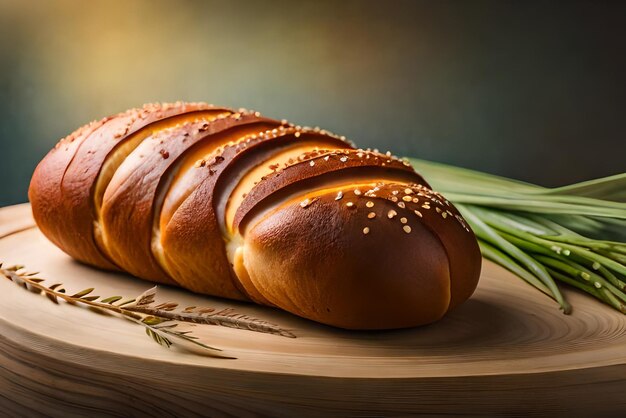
(530, 90)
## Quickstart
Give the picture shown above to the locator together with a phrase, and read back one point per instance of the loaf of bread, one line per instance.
(232, 204)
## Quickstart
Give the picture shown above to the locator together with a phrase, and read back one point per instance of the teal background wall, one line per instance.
(531, 90)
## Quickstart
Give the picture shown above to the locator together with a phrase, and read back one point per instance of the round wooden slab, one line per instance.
(508, 350)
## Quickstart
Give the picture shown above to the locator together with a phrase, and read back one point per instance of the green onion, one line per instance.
(574, 235)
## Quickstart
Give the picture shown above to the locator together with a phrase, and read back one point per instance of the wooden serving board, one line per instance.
(508, 351)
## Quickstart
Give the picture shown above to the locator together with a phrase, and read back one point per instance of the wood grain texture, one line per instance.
(507, 351)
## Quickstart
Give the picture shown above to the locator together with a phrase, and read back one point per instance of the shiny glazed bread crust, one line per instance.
(229, 203)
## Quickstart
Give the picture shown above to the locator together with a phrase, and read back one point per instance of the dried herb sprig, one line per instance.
(160, 321)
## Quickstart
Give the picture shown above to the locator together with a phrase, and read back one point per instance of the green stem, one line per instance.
(491, 253)
(486, 233)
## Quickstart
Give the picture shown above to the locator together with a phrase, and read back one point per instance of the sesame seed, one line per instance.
(391, 214)
(597, 284)
(307, 202)
(401, 205)
(394, 199)
(326, 158)
(406, 198)
(408, 191)
(357, 192)
(366, 230)
(426, 206)
(339, 195)
(403, 220)
(596, 265)
(343, 159)
(415, 200)
(371, 215)
(444, 215)
(312, 163)
(369, 204)
(297, 134)
(395, 192)
(350, 204)
(407, 229)
(418, 213)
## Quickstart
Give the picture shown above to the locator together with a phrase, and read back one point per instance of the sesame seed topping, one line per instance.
(418, 213)
(401, 205)
(343, 159)
(312, 163)
(307, 202)
(444, 215)
(366, 230)
(371, 215)
(597, 284)
(297, 134)
(369, 204)
(407, 229)
(406, 198)
(415, 200)
(426, 206)
(395, 192)
(391, 214)
(403, 220)
(357, 192)
(408, 191)
(339, 195)
(438, 210)
(350, 204)
(326, 158)
(394, 199)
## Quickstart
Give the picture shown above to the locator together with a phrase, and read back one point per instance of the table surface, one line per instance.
(508, 344)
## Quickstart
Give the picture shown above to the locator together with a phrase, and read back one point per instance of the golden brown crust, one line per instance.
(231, 204)
(193, 240)
(193, 246)
(50, 208)
(335, 271)
(128, 205)
(62, 185)
(321, 163)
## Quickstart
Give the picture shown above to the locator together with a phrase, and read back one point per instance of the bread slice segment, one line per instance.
(129, 202)
(193, 237)
(63, 184)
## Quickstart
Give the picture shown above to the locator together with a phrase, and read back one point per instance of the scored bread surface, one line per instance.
(229, 203)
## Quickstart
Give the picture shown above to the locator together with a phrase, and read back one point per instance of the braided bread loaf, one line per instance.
(232, 204)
